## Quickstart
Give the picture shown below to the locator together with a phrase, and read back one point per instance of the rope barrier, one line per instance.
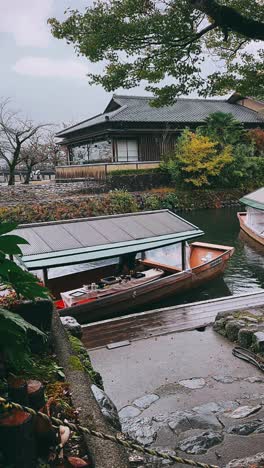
(7, 405)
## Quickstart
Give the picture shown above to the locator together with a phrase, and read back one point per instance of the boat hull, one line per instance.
(253, 234)
(177, 283)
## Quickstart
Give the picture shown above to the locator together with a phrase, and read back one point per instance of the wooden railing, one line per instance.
(21, 174)
(98, 171)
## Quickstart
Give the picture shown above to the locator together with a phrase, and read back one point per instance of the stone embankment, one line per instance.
(245, 327)
(45, 192)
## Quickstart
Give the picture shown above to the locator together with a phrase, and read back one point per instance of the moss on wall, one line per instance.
(82, 361)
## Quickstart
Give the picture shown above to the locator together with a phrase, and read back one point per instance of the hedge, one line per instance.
(138, 179)
(121, 202)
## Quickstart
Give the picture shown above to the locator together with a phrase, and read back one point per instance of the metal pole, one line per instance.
(183, 256)
(45, 276)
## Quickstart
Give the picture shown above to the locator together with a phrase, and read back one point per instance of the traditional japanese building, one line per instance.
(131, 130)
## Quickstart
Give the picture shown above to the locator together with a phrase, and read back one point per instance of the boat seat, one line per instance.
(153, 264)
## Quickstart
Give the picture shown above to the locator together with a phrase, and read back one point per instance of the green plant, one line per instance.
(133, 172)
(44, 368)
(22, 282)
(170, 201)
(243, 167)
(14, 340)
(122, 201)
(82, 361)
(151, 202)
(256, 136)
(198, 160)
(222, 128)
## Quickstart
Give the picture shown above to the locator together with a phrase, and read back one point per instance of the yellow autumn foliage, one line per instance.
(199, 158)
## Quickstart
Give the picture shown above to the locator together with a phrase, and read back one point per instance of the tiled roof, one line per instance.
(184, 110)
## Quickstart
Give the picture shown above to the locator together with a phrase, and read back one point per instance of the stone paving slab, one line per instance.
(197, 384)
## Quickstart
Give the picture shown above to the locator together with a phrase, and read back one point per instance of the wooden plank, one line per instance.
(163, 321)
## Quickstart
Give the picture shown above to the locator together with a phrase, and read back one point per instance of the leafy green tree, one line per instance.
(146, 40)
(242, 169)
(222, 128)
(198, 160)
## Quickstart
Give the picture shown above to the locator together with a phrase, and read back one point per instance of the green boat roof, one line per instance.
(254, 199)
(61, 243)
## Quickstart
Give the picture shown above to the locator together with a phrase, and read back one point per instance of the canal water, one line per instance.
(245, 270)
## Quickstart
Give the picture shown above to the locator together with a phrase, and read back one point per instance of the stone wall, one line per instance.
(104, 454)
(246, 327)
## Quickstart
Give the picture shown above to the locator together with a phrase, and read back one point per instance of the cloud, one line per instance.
(26, 20)
(50, 68)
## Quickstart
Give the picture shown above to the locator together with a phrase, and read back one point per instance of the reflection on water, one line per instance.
(245, 270)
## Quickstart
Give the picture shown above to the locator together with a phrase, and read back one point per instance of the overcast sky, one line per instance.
(41, 74)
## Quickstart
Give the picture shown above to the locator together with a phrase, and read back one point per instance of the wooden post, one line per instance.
(45, 276)
(36, 396)
(17, 390)
(18, 443)
(183, 256)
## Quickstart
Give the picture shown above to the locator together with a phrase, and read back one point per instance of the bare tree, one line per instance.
(35, 152)
(58, 154)
(14, 133)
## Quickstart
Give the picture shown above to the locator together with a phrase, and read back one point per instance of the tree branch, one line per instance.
(228, 17)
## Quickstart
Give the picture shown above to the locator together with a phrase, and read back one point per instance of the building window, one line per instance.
(127, 150)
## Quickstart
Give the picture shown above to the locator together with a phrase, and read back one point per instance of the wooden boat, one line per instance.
(168, 265)
(252, 220)
(257, 236)
(207, 261)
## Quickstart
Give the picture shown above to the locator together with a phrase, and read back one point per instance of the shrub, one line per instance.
(119, 172)
(197, 160)
(122, 201)
(170, 201)
(152, 202)
(136, 180)
(238, 172)
(256, 136)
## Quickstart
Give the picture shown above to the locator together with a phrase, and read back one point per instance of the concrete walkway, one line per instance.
(178, 392)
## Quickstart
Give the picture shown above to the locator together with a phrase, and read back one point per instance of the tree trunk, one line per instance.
(27, 178)
(11, 178)
(13, 164)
